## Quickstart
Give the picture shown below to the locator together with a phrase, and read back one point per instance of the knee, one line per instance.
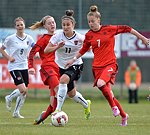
(100, 83)
(71, 93)
(64, 79)
(23, 89)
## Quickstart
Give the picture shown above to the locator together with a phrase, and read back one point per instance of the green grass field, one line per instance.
(101, 122)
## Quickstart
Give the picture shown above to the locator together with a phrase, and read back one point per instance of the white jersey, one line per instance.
(19, 49)
(69, 50)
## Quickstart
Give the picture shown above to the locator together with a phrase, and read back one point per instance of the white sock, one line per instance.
(19, 103)
(61, 95)
(80, 99)
(14, 94)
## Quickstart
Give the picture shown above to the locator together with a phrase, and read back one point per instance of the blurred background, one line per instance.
(134, 13)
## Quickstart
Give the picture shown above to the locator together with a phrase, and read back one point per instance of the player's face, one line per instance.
(94, 23)
(50, 25)
(67, 26)
(20, 26)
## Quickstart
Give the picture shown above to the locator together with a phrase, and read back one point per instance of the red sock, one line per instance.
(122, 113)
(106, 90)
(47, 113)
(54, 103)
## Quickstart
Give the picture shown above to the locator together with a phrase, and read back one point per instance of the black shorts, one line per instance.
(74, 73)
(20, 76)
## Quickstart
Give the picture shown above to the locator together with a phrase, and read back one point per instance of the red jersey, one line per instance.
(47, 59)
(102, 43)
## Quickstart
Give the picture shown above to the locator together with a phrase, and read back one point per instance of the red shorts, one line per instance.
(107, 73)
(50, 76)
(52, 82)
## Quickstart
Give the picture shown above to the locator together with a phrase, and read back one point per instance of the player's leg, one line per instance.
(123, 114)
(21, 81)
(46, 113)
(109, 96)
(10, 97)
(53, 83)
(62, 91)
(103, 77)
(77, 97)
(19, 103)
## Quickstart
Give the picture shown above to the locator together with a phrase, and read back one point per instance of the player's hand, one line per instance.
(146, 41)
(31, 71)
(61, 44)
(69, 63)
(11, 59)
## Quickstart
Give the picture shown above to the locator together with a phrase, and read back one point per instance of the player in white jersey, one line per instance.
(17, 48)
(67, 43)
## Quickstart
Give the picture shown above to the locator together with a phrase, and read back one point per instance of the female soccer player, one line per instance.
(101, 39)
(49, 70)
(66, 43)
(17, 47)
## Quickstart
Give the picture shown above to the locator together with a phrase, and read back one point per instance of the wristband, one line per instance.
(75, 58)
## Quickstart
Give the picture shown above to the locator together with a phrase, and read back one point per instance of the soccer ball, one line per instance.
(59, 119)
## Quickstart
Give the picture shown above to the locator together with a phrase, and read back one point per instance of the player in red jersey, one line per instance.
(102, 40)
(49, 70)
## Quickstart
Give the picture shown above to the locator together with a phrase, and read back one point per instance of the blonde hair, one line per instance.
(69, 15)
(94, 12)
(40, 23)
(18, 19)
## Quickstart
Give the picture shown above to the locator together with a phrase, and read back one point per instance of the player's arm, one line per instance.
(70, 62)
(83, 50)
(140, 36)
(32, 53)
(9, 58)
(51, 48)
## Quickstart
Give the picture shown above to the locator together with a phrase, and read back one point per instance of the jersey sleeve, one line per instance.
(6, 42)
(86, 45)
(32, 53)
(122, 29)
(31, 41)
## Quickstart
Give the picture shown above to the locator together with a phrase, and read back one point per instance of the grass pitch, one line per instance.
(101, 122)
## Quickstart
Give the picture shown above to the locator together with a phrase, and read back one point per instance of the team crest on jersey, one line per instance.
(76, 42)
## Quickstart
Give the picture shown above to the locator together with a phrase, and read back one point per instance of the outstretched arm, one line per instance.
(140, 36)
(70, 62)
(50, 47)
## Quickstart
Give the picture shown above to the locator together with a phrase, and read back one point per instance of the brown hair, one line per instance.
(69, 15)
(94, 12)
(40, 23)
(18, 19)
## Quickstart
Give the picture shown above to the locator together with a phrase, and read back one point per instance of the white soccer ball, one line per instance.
(59, 119)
